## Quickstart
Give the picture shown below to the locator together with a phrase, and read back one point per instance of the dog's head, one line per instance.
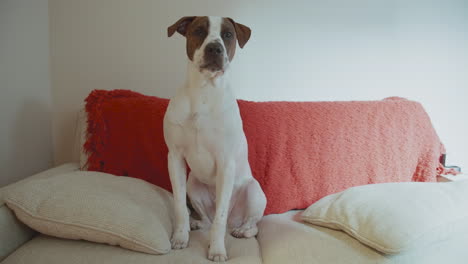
(211, 41)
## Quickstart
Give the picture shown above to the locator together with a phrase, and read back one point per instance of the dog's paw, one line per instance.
(245, 231)
(198, 224)
(217, 254)
(179, 239)
(218, 258)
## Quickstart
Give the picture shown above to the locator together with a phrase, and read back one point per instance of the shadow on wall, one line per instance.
(29, 146)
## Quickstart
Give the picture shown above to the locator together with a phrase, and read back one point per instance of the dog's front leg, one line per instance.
(224, 186)
(178, 175)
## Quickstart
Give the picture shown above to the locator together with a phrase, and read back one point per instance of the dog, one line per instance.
(203, 129)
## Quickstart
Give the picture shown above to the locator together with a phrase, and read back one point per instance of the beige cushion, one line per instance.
(13, 233)
(97, 207)
(395, 217)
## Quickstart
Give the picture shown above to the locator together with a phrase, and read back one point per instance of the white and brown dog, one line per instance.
(203, 129)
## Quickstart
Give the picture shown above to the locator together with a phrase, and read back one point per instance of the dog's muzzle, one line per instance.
(213, 57)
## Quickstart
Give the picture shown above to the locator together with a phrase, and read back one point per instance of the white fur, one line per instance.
(203, 128)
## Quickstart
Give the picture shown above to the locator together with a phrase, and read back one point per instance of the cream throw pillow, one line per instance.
(97, 207)
(395, 217)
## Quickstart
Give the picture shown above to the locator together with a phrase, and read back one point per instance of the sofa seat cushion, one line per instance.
(284, 238)
(50, 250)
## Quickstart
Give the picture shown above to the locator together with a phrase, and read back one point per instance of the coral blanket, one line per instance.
(298, 151)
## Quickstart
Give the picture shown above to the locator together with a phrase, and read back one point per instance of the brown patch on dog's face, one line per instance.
(194, 29)
(196, 34)
(229, 37)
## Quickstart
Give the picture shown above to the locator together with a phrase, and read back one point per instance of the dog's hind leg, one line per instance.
(251, 205)
(202, 200)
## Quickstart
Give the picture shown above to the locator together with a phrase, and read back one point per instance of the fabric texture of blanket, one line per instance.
(298, 151)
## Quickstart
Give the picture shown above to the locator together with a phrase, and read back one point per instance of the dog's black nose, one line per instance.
(214, 48)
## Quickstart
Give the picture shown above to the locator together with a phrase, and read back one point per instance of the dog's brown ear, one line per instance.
(180, 26)
(242, 32)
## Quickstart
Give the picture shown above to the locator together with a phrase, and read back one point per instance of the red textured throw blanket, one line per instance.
(298, 151)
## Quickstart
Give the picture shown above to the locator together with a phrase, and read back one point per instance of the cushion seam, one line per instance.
(372, 243)
(354, 233)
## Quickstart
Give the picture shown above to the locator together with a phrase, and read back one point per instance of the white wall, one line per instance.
(25, 98)
(299, 50)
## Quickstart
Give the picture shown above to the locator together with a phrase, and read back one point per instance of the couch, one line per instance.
(282, 238)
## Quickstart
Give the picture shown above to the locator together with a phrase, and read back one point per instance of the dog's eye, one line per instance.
(199, 32)
(227, 35)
